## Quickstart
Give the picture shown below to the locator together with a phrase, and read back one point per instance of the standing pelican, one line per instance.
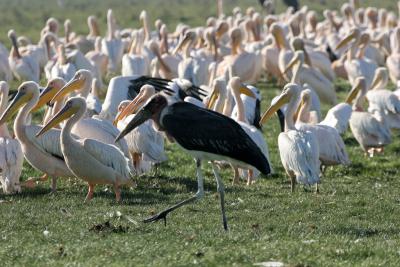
(382, 100)
(372, 134)
(43, 153)
(146, 145)
(298, 149)
(11, 157)
(332, 150)
(134, 63)
(393, 60)
(204, 134)
(89, 159)
(112, 46)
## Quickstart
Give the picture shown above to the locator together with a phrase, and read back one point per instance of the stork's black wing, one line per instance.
(161, 84)
(199, 129)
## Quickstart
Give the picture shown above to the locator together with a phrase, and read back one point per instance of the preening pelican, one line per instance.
(11, 157)
(204, 134)
(299, 149)
(146, 145)
(382, 100)
(372, 134)
(89, 159)
(44, 153)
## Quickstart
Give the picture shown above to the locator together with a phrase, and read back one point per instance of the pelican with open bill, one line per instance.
(204, 134)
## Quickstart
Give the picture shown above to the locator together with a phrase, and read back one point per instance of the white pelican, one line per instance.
(192, 68)
(94, 128)
(357, 66)
(382, 100)
(146, 145)
(62, 69)
(338, 116)
(248, 66)
(332, 150)
(297, 68)
(134, 63)
(5, 70)
(199, 132)
(372, 134)
(43, 153)
(11, 157)
(237, 88)
(98, 58)
(393, 60)
(112, 46)
(88, 159)
(24, 67)
(317, 81)
(298, 149)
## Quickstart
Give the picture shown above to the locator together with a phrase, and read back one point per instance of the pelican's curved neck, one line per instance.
(296, 73)
(66, 137)
(239, 104)
(291, 109)
(21, 120)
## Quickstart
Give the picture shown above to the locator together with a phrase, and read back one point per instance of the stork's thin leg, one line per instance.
(221, 191)
(317, 188)
(31, 182)
(53, 184)
(292, 183)
(200, 194)
(89, 195)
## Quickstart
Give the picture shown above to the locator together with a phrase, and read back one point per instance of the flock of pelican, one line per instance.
(196, 87)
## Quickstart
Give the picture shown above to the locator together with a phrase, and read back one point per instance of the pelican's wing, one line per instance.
(299, 153)
(108, 155)
(49, 142)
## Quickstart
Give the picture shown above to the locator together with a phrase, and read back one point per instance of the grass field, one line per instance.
(354, 221)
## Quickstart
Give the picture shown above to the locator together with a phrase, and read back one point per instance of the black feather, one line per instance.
(332, 56)
(199, 129)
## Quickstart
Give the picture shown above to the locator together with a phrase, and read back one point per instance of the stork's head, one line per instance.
(151, 110)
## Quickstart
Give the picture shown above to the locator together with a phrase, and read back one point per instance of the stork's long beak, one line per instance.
(19, 99)
(353, 93)
(66, 112)
(72, 85)
(140, 117)
(282, 100)
(291, 64)
(345, 41)
(47, 94)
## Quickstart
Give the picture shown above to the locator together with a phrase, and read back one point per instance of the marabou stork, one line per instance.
(205, 135)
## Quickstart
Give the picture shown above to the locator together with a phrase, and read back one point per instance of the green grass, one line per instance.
(354, 221)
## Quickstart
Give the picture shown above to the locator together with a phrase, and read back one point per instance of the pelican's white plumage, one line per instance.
(89, 159)
(11, 157)
(298, 149)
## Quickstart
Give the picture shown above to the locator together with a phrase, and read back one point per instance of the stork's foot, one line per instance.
(163, 214)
